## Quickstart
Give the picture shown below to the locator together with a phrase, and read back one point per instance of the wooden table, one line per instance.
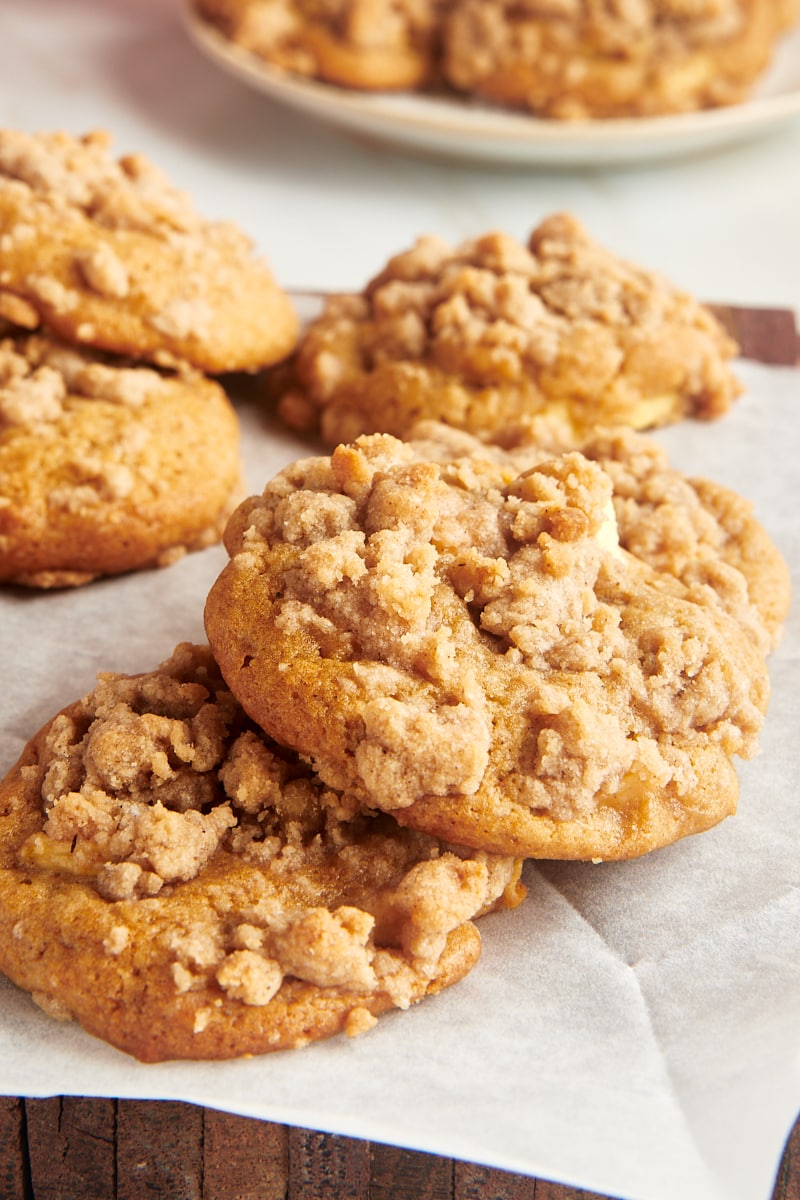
(74, 1148)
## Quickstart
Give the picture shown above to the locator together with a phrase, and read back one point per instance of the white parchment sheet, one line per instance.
(633, 1028)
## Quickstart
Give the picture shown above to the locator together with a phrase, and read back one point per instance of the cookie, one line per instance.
(469, 647)
(579, 60)
(105, 252)
(366, 45)
(488, 336)
(107, 467)
(184, 889)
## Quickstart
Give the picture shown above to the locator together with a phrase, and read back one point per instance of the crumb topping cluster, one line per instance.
(695, 531)
(37, 375)
(152, 777)
(569, 59)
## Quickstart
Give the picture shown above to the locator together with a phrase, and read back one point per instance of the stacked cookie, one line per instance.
(185, 888)
(117, 299)
(511, 631)
(564, 59)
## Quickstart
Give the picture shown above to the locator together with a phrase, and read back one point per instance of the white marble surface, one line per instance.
(632, 1029)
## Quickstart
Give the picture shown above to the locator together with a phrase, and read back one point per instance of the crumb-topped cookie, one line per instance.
(489, 335)
(105, 252)
(467, 645)
(591, 58)
(185, 889)
(107, 466)
(368, 45)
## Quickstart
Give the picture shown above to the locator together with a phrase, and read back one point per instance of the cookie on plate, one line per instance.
(488, 336)
(185, 889)
(592, 59)
(105, 252)
(466, 645)
(366, 45)
(107, 467)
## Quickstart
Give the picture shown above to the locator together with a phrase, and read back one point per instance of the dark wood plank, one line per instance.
(63, 1147)
(766, 335)
(787, 1186)
(71, 1147)
(14, 1173)
(323, 1165)
(472, 1182)
(159, 1151)
(560, 1191)
(396, 1172)
(244, 1159)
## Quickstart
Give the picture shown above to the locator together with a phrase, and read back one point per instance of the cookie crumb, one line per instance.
(104, 271)
(359, 1020)
(117, 939)
(250, 977)
(53, 293)
(52, 1006)
(201, 1019)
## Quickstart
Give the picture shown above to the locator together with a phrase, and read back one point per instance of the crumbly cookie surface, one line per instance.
(184, 889)
(107, 467)
(361, 44)
(106, 252)
(563, 59)
(592, 58)
(470, 648)
(492, 334)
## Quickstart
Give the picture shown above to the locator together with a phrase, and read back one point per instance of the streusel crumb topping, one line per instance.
(154, 776)
(38, 374)
(488, 335)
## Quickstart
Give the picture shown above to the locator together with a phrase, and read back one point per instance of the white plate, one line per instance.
(463, 129)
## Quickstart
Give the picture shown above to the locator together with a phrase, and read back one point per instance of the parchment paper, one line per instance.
(633, 1028)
